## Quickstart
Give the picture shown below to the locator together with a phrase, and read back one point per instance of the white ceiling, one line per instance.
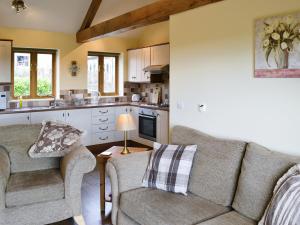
(62, 15)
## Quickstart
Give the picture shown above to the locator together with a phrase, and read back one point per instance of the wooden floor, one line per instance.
(91, 202)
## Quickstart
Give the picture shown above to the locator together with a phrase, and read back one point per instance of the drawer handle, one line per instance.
(103, 120)
(103, 112)
(100, 128)
(103, 139)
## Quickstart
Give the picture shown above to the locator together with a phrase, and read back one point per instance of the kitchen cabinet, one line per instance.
(134, 134)
(39, 117)
(162, 127)
(81, 119)
(132, 65)
(103, 125)
(15, 118)
(160, 54)
(144, 61)
(5, 61)
(138, 59)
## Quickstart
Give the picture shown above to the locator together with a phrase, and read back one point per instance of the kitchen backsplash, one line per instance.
(146, 90)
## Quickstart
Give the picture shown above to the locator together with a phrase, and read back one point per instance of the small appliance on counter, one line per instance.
(136, 98)
(3, 100)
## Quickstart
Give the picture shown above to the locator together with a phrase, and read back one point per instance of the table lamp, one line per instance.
(125, 123)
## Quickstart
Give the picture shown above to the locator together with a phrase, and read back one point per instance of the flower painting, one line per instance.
(277, 47)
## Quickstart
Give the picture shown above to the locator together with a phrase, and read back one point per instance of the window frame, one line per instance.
(33, 71)
(101, 56)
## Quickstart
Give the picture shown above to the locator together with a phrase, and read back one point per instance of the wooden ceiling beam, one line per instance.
(153, 13)
(90, 15)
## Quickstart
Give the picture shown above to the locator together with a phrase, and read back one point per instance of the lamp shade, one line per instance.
(125, 122)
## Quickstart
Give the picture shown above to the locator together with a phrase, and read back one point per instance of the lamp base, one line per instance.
(125, 151)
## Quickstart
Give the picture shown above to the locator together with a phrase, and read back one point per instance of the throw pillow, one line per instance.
(169, 167)
(55, 140)
(283, 208)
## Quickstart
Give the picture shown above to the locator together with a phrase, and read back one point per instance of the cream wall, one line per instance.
(69, 50)
(212, 62)
(154, 34)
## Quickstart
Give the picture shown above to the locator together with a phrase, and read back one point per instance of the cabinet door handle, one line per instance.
(106, 128)
(103, 112)
(68, 114)
(63, 114)
(126, 110)
(28, 117)
(103, 120)
(103, 139)
(130, 110)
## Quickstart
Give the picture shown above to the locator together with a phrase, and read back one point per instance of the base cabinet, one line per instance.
(98, 125)
(13, 119)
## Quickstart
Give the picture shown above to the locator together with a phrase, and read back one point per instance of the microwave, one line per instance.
(3, 100)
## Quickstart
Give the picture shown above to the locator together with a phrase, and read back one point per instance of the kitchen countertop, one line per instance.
(86, 106)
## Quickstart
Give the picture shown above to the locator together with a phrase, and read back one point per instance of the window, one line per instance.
(103, 73)
(33, 73)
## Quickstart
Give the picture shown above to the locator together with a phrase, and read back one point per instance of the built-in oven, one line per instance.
(147, 124)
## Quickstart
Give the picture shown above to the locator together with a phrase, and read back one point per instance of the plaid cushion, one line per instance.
(169, 167)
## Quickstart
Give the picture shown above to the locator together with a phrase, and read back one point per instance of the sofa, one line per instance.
(231, 183)
(38, 191)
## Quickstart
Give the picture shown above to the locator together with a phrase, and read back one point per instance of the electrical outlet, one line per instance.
(202, 107)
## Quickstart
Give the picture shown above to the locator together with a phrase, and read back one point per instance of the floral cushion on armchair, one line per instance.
(55, 140)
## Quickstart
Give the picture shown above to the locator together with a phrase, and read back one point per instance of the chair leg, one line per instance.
(79, 220)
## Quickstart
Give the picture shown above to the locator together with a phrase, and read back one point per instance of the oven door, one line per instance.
(147, 127)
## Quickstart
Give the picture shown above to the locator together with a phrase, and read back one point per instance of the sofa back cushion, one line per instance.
(261, 169)
(17, 139)
(216, 165)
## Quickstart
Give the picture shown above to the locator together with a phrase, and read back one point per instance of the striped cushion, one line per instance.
(169, 167)
(285, 203)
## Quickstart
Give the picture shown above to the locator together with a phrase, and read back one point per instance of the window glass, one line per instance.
(22, 74)
(93, 73)
(44, 74)
(109, 81)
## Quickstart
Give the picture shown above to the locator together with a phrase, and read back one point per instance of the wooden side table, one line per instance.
(102, 160)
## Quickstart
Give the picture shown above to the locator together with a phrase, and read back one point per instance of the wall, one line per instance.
(212, 62)
(154, 34)
(69, 50)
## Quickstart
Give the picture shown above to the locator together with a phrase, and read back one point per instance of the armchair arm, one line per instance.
(4, 175)
(126, 173)
(73, 166)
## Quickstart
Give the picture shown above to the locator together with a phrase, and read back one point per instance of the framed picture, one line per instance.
(277, 46)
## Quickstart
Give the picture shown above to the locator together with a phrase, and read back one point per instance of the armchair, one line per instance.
(38, 191)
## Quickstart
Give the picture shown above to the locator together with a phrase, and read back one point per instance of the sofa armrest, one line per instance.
(73, 166)
(4, 175)
(126, 173)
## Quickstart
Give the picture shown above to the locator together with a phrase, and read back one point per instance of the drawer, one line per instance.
(103, 119)
(103, 111)
(104, 127)
(103, 137)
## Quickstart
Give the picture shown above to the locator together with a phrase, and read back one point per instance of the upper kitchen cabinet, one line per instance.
(160, 55)
(138, 59)
(5, 61)
(132, 65)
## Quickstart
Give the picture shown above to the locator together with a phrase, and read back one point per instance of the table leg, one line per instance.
(102, 186)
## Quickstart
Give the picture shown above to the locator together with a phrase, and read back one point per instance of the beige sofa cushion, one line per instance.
(231, 218)
(17, 139)
(32, 187)
(151, 207)
(260, 171)
(216, 164)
